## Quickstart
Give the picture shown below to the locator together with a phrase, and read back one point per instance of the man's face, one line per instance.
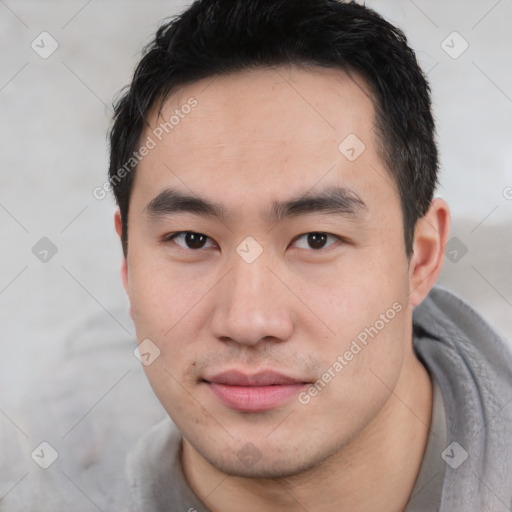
(269, 301)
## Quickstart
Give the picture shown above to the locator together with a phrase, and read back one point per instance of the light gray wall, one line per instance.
(55, 112)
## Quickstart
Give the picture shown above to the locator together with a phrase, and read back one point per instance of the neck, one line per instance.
(375, 472)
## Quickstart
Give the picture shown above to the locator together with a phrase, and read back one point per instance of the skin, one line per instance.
(256, 137)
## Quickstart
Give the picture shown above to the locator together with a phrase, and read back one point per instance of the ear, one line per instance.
(430, 237)
(124, 267)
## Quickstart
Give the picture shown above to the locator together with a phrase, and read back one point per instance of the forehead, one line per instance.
(282, 105)
(268, 131)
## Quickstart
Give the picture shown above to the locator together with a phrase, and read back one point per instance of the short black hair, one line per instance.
(218, 37)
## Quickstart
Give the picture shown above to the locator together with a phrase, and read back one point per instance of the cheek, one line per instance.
(360, 289)
(365, 306)
(360, 373)
(161, 296)
(166, 310)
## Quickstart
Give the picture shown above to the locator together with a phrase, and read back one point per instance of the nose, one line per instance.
(253, 305)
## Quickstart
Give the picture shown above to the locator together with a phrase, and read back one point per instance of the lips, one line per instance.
(265, 378)
(254, 392)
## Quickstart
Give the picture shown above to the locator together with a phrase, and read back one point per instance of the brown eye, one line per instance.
(189, 239)
(315, 240)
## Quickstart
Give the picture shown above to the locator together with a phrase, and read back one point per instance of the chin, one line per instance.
(252, 460)
(263, 469)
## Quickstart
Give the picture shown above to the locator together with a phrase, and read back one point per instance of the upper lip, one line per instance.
(263, 378)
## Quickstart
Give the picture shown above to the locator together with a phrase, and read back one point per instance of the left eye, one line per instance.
(315, 240)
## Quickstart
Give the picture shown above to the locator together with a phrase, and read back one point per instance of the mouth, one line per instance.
(254, 392)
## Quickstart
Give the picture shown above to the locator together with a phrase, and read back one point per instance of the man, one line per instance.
(275, 166)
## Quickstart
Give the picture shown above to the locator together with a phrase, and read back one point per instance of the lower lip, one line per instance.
(254, 398)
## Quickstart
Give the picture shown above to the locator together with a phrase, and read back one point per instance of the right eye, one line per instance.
(188, 239)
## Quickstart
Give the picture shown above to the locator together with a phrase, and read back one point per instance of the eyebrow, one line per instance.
(333, 199)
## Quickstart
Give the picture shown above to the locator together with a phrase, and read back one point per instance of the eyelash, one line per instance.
(170, 238)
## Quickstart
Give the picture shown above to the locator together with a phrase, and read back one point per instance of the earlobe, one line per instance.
(430, 238)
(118, 223)
(124, 275)
(124, 266)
